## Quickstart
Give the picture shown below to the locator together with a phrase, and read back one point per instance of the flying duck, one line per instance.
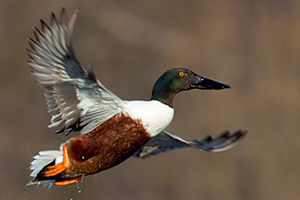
(112, 129)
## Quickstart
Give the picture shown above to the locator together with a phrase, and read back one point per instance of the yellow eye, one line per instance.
(181, 73)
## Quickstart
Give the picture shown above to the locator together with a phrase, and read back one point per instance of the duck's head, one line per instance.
(180, 79)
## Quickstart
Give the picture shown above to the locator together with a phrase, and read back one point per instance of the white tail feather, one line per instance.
(43, 159)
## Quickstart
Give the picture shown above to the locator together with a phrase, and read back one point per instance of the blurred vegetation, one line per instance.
(252, 45)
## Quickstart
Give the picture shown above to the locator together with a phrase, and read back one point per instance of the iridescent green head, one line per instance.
(180, 79)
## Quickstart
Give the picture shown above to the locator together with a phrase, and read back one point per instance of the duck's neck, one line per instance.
(163, 95)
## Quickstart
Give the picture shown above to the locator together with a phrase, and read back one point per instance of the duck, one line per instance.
(111, 129)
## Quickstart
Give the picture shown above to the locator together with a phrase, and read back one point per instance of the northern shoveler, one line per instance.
(112, 130)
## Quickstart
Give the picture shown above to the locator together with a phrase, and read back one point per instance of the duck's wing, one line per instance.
(166, 141)
(75, 98)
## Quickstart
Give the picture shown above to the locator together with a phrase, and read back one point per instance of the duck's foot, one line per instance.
(68, 181)
(60, 167)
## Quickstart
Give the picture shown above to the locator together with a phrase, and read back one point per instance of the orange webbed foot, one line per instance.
(60, 167)
(68, 181)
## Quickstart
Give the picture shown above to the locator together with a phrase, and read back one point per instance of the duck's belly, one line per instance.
(108, 145)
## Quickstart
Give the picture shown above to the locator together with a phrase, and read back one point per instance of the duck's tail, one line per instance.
(47, 168)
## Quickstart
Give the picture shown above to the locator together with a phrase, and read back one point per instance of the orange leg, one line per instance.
(60, 167)
(68, 181)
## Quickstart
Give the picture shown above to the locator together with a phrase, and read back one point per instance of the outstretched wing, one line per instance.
(166, 141)
(75, 98)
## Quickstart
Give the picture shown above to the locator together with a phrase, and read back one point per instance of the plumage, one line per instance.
(112, 130)
(166, 141)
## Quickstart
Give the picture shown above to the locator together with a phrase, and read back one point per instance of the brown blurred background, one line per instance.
(252, 45)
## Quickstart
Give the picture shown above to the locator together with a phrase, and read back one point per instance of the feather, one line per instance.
(56, 69)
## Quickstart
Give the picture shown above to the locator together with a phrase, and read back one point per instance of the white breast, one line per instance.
(154, 115)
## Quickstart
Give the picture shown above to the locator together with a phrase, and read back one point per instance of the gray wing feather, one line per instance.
(166, 141)
(72, 92)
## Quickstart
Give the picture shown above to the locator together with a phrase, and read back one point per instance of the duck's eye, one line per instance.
(181, 74)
